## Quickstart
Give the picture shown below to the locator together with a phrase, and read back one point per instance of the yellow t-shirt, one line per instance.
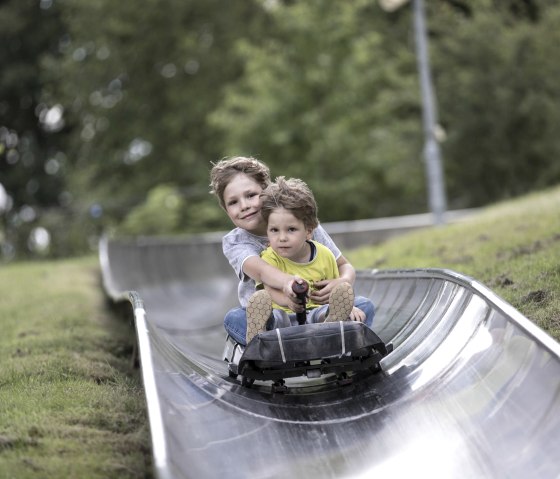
(322, 266)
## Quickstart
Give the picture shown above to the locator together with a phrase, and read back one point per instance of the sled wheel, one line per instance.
(343, 379)
(279, 387)
(247, 382)
(375, 368)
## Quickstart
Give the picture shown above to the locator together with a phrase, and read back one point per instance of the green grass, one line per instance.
(511, 247)
(71, 404)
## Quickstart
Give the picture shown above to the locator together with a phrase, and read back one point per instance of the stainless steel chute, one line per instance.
(472, 388)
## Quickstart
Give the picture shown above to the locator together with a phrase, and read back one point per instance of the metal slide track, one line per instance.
(471, 390)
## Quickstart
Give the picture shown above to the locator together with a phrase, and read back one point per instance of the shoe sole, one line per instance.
(259, 309)
(341, 303)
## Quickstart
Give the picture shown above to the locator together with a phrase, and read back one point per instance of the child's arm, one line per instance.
(282, 300)
(347, 273)
(274, 279)
(243, 255)
(346, 270)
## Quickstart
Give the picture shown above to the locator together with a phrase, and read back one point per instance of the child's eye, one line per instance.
(231, 203)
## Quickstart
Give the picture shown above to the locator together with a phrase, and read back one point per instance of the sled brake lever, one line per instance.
(301, 292)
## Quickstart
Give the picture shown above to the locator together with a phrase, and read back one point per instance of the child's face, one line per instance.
(243, 204)
(287, 235)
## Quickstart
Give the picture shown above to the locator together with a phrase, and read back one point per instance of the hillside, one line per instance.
(512, 247)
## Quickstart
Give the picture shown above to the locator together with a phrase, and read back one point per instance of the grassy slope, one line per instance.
(70, 404)
(512, 247)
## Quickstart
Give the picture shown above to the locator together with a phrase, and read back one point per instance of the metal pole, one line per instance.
(432, 156)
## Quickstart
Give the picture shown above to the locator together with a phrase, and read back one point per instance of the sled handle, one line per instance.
(301, 292)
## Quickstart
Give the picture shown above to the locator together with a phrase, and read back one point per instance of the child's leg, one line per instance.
(235, 323)
(318, 314)
(341, 302)
(279, 319)
(259, 309)
(367, 307)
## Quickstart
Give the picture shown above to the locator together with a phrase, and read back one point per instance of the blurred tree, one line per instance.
(139, 83)
(331, 96)
(159, 214)
(102, 102)
(498, 90)
(32, 166)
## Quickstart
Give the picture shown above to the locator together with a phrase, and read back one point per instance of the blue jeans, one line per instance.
(235, 321)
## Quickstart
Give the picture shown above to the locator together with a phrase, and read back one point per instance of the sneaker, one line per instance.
(341, 303)
(259, 310)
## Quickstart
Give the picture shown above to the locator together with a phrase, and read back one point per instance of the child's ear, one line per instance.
(309, 233)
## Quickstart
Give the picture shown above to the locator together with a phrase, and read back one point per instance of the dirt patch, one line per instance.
(539, 296)
(534, 247)
(466, 259)
(380, 262)
(7, 442)
(502, 281)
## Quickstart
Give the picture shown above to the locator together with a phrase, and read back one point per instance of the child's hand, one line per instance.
(322, 290)
(295, 306)
(357, 315)
(288, 290)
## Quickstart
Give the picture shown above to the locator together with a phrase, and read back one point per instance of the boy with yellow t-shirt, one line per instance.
(290, 211)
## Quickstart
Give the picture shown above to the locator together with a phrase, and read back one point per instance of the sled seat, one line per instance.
(311, 350)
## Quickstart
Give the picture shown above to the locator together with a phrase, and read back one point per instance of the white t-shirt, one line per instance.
(239, 244)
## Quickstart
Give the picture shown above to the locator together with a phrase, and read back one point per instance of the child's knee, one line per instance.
(367, 307)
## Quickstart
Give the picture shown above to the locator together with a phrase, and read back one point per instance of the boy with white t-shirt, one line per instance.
(238, 183)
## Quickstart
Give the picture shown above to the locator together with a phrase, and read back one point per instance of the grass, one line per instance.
(71, 404)
(512, 247)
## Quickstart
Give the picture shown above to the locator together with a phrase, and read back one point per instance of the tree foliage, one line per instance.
(32, 165)
(338, 109)
(108, 108)
(497, 99)
(140, 82)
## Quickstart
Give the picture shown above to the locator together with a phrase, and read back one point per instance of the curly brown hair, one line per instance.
(293, 195)
(224, 170)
